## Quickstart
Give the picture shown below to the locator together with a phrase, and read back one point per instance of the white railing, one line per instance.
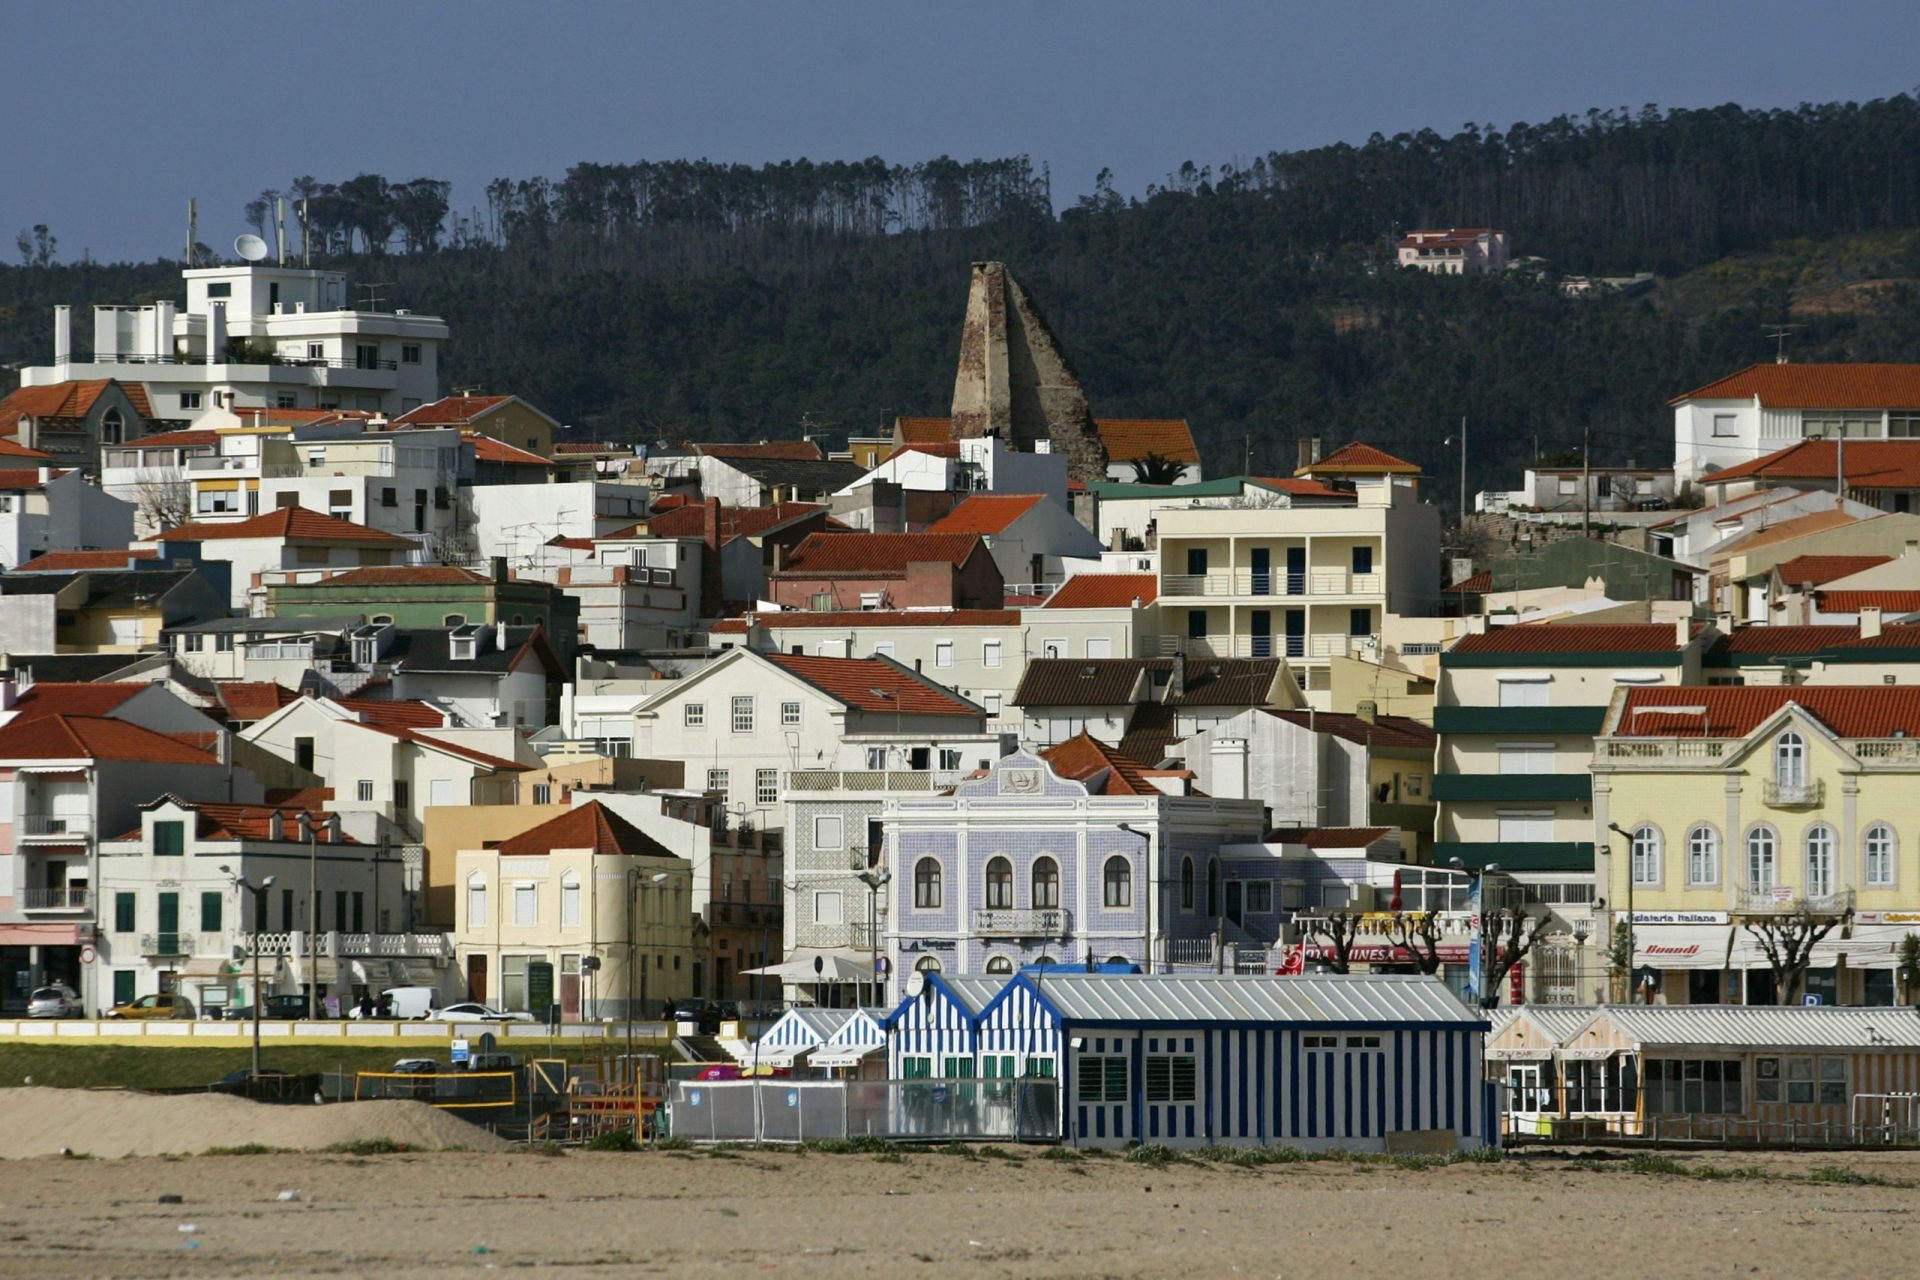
(1040, 589)
(1282, 646)
(1887, 750)
(53, 826)
(55, 899)
(424, 946)
(279, 652)
(1684, 751)
(1781, 900)
(999, 922)
(222, 464)
(1794, 795)
(873, 779)
(1277, 582)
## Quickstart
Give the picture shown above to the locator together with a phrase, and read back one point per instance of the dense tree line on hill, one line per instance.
(665, 300)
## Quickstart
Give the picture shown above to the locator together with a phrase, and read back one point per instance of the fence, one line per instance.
(1017, 1110)
(1627, 1115)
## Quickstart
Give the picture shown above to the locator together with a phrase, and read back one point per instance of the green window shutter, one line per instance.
(1116, 1080)
(1039, 1067)
(122, 919)
(1087, 1085)
(957, 1069)
(169, 839)
(917, 1068)
(210, 912)
(1159, 1079)
(123, 984)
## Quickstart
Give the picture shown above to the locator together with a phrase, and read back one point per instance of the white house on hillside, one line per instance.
(1767, 407)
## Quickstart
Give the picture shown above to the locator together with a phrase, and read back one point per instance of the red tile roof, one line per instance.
(1795, 641)
(791, 618)
(299, 797)
(1853, 601)
(924, 430)
(293, 524)
(877, 553)
(1821, 569)
(65, 400)
(1851, 711)
(71, 737)
(395, 714)
(255, 822)
(1478, 584)
(487, 449)
(589, 826)
(1817, 386)
(1359, 457)
(776, 450)
(1302, 488)
(417, 738)
(177, 440)
(1382, 731)
(75, 561)
(1329, 837)
(872, 684)
(23, 480)
(250, 701)
(51, 698)
(987, 513)
(1131, 439)
(425, 575)
(1573, 637)
(1871, 464)
(14, 449)
(937, 449)
(450, 411)
(689, 520)
(1102, 768)
(1104, 591)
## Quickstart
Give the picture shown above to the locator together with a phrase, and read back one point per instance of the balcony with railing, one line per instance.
(996, 922)
(1250, 584)
(333, 944)
(1801, 794)
(1783, 900)
(165, 945)
(69, 898)
(58, 828)
(1319, 647)
(924, 780)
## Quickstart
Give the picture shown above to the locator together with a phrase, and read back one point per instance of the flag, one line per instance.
(1293, 961)
(1473, 947)
(1395, 904)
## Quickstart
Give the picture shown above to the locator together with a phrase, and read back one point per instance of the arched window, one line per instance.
(112, 427)
(1045, 960)
(1819, 844)
(1763, 859)
(1790, 760)
(926, 883)
(1703, 855)
(999, 964)
(1186, 883)
(927, 964)
(999, 884)
(1046, 884)
(1880, 847)
(1213, 886)
(454, 620)
(1118, 882)
(1646, 855)
(1118, 960)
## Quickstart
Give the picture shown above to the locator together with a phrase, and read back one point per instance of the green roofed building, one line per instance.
(434, 596)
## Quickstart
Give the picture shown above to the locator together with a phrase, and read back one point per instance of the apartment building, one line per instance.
(1739, 422)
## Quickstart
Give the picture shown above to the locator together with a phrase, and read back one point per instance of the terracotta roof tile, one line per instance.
(1854, 601)
(589, 826)
(987, 513)
(65, 399)
(1822, 569)
(1817, 386)
(689, 520)
(255, 822)
(66, 737)
(250, 701)
(1851, 711)
(937, 449)
(22, 480)
(1105, 591)
(1573, 637)
(1383, 731)
(291, 523)
(20, 453)
(1478, 584)
(851, 553)
(394, 713)
(1131, 439)
(1225, 682)
(75, 561)
(841, 620)
(1301, 488)
(450, 411)
(51, 698)
(1359, 457)
(176, 440)
(487, 449)
(924, 430)
(873, 684)
(778, 450)
(1090, 682)
(1871, 464)
(1104, 769)
(1817, 638)
(425, 575)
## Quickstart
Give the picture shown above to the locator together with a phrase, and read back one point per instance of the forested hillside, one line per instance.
(665, 300)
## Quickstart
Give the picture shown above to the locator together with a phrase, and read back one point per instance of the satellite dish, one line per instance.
(251, 247)
(916, 981)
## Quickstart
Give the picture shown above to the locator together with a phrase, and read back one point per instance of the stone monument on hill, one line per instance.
(1014, 381)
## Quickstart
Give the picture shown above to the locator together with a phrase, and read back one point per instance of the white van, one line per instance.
(408, 1002)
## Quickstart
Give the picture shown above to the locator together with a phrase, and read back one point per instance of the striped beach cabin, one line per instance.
(858, 1047)
(931, 1035)
(798, 1032)
(1357, 1062)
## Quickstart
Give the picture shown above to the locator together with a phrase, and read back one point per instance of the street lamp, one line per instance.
(874, 878)
(634, 885)
(1618, 830)
(1488, 999)
(259, 892)
(1156, 885)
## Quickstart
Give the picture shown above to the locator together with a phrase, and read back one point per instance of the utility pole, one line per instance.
(313, 916)
(1586, 482)
(1463, 469)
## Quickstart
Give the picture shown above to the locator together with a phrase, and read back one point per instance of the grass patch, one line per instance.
(1834, 1175)
(960, 1149)
(1063, 1155)
(540, 1149)
(368, 1147)
(673, 1144)
(1156, 1155)
(245, 1149)
(613, 1140)
(889, 1157)
(1643, 1163)
(866, 1145)
(999, 1153)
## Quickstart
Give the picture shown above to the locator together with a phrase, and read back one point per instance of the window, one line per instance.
(876, 757)
(1196, 624)
(999, 964)
(1526, 757)
(1196, 561)
(693, 715)
(943, 653)
(526, 905)
(1568, 486)
(789, 713)
(1800, 1080)
(123, 913)
(999, 884)
(1763, 850)
(828, 907)
(926, 883)
(366, 356)
(1819, 850)
(949, 757)
(191, 643)
(1046, 884)
(717, 781)
(220, 289)
(1523, 693)
(1726, 425)
(766, 786)
(1186, 883)
(743, 715)
(990, 653)
(1359, 622)
(476, 902)
(1526, 827)
(409, 353)
(169, 839)
(1099, 647)
(883, 648)
(1790, 760)
(570, 902)
(821, 602)
(454, 620)
(1703, 856)
(927, 964)
(1646, 855)
(363, 790)
(1363, 560)
(1102, 1078)
(991, 702)
(829, 832)
(1259, 897)
(402, 794)
(1117, 882)
(1880, 847)
(1170, 1077)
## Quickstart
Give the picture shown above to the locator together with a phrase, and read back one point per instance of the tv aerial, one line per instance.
(251, 248)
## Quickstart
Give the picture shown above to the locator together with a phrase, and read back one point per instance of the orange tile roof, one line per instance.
(395, 714)
(71, 737)
(1360, 457)
(1131, 439)
(1573, 637)
(1871, 464)
(877, 553)
(937, 449)
(176, 440)
(293, 524)
(450, 411)
(1478, 584)
(75, 561)
(778, 450)
(1301, 488)
(254, 822)
(21, 480)
(987, 513)
(789, 619)
(1104, 591)
(1084, 759)
(1851, 711)
(589, 826)
(64, 400)
(1785, 531)
(1817, 386)
(689, 520)
(1854, 601)
(62, 698)
(14, 449)
(872, 684)
(250, 701)
(1822, 569)
(924, 430)
(425, 575)
(487, 449)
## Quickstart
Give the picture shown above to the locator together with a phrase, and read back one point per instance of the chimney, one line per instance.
(1316, 450)
(1303, 454)
(710, 521)
(216, 332)
(499, 568)
(276, 826)
(1229, 774)
(1869, 621)
(304, 823)
(332, 829)
(1682, 630)
(1367, 709)
(62, 334)
(1723, 623)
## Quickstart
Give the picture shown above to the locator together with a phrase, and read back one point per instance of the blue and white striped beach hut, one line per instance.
(857, 1046)
(1322, 1062)
(931, 1036)
(798, 1031)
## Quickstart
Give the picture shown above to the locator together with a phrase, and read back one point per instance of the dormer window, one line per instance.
(463, 643)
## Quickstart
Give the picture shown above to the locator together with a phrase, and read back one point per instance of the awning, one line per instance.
(1387, 953)
(844, 1055)
(1689, 946)
(835, 966)
(1872, 946)
(207, 969)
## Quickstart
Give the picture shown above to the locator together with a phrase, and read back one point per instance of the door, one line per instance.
(1296, 633)
(1262, 571)
(1236, 897)
(477, 978)
(1296, 571)
(1262, 622)
(169, 925)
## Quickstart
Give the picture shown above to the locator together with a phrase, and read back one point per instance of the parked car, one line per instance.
(283, 1008)
(268, 1082)
(492, 1062)
(407, 1002)
(56, 1001)
(470, 1011)
(704, 1015)
(414, 1088)
(162, 1006)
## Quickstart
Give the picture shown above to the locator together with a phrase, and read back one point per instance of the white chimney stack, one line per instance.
(216, 332)
(62, 334)
(1869, 621)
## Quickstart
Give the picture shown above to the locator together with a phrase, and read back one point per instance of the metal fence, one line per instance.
(1563, 1113)
(1018, 1110)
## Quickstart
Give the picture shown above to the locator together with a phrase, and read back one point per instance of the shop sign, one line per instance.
(1679, 917)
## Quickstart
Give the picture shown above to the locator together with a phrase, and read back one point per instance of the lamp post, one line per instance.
(634, 885)
(313, 915)
(1155, 886)
(1618, 830)
(259, 892)
(874, 878)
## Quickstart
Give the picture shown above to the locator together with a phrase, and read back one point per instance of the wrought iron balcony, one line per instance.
(994, 922)
(72, 898)
(1783, 900)
(167, 944)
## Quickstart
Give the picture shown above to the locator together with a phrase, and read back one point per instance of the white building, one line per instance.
(984, 465)
(1577, 489)
(1455, 251)
(257, 335)
(1767, 407)
(45, 510)
(280, 546)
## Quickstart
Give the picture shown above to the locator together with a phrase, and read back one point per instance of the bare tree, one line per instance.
(1506, 938)
(1418, 934)
(1787, 939)
(1337, 930)
(162, 498)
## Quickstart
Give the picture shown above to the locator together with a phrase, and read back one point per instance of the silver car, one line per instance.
(56, 1001)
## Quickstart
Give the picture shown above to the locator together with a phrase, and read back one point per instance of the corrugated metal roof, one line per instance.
(1202, 998)
(1559, 1022)
(822, 1022)
(974, 991)
(1725, 1026)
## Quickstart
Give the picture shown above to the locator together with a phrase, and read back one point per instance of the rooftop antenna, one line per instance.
(193, 230)
(373, 298)
(1779, 332)
(280, 229)
(306, 235)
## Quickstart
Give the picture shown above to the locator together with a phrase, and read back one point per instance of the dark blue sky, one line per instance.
(119, 112)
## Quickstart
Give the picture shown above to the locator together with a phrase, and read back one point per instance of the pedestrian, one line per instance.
(384, 1009)
(366, 1005)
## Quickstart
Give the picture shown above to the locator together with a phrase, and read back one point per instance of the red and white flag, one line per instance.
(1293, 961)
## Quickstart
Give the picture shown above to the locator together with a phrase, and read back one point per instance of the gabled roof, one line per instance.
(71, 737)
(24, 479)
(1132, 439)
(874, 685)
(14, 450)
(939, 449)
(450, 411)
(390, 713)
(1573, 637)
(1103, 769)
(1817, 386)
(1888, 601)
(425, 575)
(487, 449)
(1181, 999)
(1720, 1028)
(1871, 464)
(987, 513)
(68, 399)
(1084, 682)
(1104, 591)
(1225, 682)
(1823, 569)
(783, 450)
(589, 826)
(1382, 731)
(1358, 457)
(252, 822)
(1478, 585)
(1329, 837)
(293, 524)
(1825, 640)
(877, 553)
(247, 701)
(924, 430)
(50, 698)
(75, 561)
(1734, 711)
(840, 620)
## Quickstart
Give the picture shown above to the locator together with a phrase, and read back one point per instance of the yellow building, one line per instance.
(1739, 805)
(508, 419)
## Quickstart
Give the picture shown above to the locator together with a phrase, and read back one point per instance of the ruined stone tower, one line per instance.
(1014, 381)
